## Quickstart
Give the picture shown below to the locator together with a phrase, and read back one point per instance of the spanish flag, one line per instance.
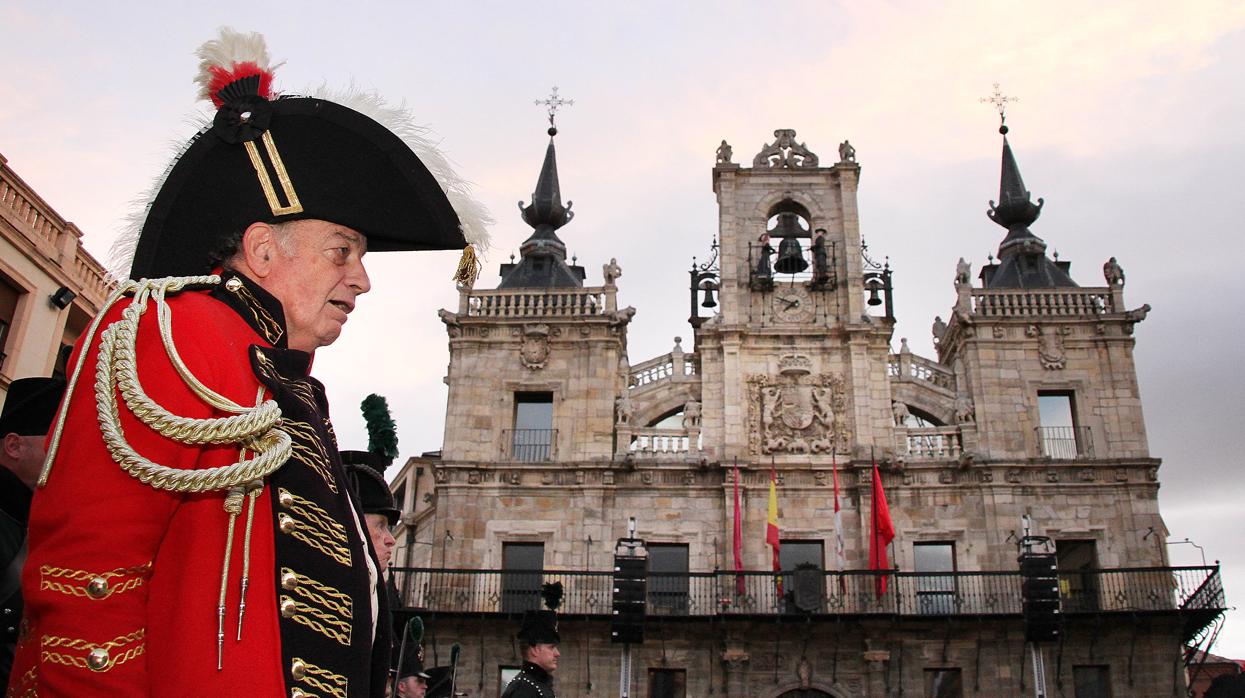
(771, 528)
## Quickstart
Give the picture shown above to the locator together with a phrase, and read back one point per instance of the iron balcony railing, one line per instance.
(530, 445)
(1065, 443)
(816, 592)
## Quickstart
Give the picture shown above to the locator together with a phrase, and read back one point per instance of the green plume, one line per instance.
(415, 630)
(382, 433)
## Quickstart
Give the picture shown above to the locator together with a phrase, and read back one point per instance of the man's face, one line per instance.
(317, 273)
(24, 456)
(545, 656)
(412, 687)
(382, 539)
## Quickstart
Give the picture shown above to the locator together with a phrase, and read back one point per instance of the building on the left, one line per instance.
(50, 286)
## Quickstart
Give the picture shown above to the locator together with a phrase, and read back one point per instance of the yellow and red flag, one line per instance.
(771, 527)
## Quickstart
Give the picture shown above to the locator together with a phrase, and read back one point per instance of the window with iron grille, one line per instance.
(667, 590)
(532, 436)
(935, 593)
(667, 683)
(522, 565)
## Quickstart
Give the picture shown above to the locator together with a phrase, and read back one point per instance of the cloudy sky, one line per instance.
(1128, 124)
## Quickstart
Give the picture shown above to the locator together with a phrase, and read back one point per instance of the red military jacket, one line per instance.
(123, 580)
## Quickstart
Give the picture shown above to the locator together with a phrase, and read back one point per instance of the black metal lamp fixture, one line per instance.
(63, 297)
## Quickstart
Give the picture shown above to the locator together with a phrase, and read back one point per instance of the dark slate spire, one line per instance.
(1022, 255)
(543, 263)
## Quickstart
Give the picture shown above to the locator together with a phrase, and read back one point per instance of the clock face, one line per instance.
(792, 304)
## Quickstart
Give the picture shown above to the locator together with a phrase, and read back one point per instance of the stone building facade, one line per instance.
(1029, 416)
(50, 287)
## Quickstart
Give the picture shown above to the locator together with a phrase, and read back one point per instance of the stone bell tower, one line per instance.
(794, 364)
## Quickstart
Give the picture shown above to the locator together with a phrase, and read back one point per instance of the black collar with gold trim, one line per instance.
(259, 308)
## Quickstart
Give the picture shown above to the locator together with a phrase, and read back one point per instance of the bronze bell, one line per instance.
(709, 301)
(790, 257)
(874, 286)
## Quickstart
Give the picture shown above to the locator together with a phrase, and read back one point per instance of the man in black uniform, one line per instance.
(28, 412)
(539, 634)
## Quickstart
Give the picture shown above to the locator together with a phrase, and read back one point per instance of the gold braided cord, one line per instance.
(321, 593)
(81, 663)
(74, 643)
(317, 541)
(319, 621)
(251, 428)
(316, 514)
(317, 677)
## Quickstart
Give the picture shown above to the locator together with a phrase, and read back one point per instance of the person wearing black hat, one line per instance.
(365, 471)
(539, 634)
(412, 679)
(195, 459)
(25, 419)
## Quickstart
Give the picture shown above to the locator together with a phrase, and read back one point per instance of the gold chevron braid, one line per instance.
(321, 622)
(300, 389)
(267, 324)
(25, 687)
(316, 677)
(79, 661)
(249, 427)
(48, 575)
(317, 514)
(265, 181)
(316, 541)
(313, 456)
(322, 594)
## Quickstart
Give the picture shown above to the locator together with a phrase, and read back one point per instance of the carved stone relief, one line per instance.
(1050, 345)
(534, 351)
(796, 411)
(785, 152)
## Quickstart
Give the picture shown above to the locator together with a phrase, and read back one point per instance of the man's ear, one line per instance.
(259, 247)
(12, 445)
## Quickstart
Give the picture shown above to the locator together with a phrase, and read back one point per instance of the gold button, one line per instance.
(297, 693)
(284, 498)
(298, 669)
(233, 284)
(288, 607)
(97, 588)
(289, 580)
(285, 523)
(98, 659)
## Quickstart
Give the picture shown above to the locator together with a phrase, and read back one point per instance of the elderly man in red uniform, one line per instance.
(194, 533)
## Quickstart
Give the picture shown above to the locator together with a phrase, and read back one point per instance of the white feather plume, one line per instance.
(229, 48)
(474, 219)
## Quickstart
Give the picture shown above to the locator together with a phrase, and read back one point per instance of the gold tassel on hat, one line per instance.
(468, 267)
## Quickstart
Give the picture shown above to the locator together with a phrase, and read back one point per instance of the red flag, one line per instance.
(881, 533)
(739, 538)
(771, 526)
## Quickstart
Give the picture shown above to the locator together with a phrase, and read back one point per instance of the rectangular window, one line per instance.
(522, 564)
(75, 324)
(935, 593)
(1091, 681)
(943, 683)
(667, 683)
(668, 578)
(1059, 435)
(9, 296)
(1078, 575)
(533, 435)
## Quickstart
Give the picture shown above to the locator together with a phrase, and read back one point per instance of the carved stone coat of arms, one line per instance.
(796, 411)
(534, 351)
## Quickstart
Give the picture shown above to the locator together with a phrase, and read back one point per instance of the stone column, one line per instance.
(875, 672)
(734, 664)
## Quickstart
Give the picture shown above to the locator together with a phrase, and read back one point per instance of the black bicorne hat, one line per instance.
(276, 159)
(539, 627)
(366, 472)
(30, 406)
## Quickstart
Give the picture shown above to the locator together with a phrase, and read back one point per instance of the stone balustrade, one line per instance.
(1060, 302)
(653, 441)
(539, 303)
(929, 443)
(56, 238)
(669, 367)
(909, 366)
